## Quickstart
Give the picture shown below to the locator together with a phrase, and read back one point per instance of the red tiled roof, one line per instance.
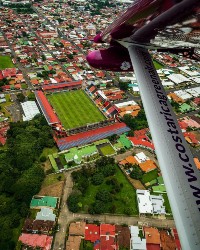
(62, 85)
(141, 132)
(183, 125)
(92, 232)
(197, 100)
(141, 142)
(178, 244)
(1, 75)
(107, 243)
(35, 240)
(9, 72)
(107, 229)
(153, 246)
(191, 137)
(46, 107)
(5, 87)
(2, 140)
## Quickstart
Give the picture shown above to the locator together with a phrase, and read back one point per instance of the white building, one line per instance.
(183, 94)
(136, 242)
(189, 72)
(124, 104)
(30, 110)
(195, 92)
(178, 78)
(141, 157)
(150, 204)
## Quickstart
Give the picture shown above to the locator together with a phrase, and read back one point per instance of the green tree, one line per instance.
(136, 173)
(97, 178)
(98, 207)
(104, 195)
(20, 97)
(123, 86)
(108, 170)
(72, 202)
(43, 158)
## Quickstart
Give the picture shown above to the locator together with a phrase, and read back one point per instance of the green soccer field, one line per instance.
(6, 62)
(75, 109)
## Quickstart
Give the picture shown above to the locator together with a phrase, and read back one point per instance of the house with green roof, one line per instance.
(125, 141)
(38, 202)
(79, 155)
(159, 189)
(185, 108)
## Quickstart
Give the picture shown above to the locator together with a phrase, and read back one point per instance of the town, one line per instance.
(78, 163)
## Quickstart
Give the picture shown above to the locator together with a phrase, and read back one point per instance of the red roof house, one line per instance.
(92, 232)
(36, 240)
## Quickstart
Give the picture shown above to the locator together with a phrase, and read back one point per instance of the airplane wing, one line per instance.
(169, 24)
(181, 176)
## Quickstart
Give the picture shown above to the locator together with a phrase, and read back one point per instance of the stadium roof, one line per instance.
(46, 108)
(91, 136)
(61, 85)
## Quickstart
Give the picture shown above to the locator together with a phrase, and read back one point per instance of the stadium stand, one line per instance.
(46, 108)
(91, 136)
(63, 85)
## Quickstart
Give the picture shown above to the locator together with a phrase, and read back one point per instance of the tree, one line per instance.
(108, 170)
(70, 56)
(98, 207)
(20, 97)
(97, 178)
(43, 158)
(72, 202)
(123, 86)
(43, 57)
(104, 195)
(136, 173)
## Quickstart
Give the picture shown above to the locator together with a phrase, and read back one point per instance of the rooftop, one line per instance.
(46, 201)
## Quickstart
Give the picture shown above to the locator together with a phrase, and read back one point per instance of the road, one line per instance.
(65, 217)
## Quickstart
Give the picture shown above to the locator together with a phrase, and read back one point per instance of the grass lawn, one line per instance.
(75, 109)
(150, 176)
(166, 203)
(125, 198)
(6, 62)
(48, 151)
(157, 65)
(52, 179)
(107, 150)
(62, 159)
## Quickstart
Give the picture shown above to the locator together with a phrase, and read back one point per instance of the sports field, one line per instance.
(6, 62)
(75, 109)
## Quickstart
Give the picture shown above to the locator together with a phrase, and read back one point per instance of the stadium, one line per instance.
(76, 119)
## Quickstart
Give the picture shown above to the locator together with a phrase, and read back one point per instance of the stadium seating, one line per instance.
(90, 136)
(46, 108)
